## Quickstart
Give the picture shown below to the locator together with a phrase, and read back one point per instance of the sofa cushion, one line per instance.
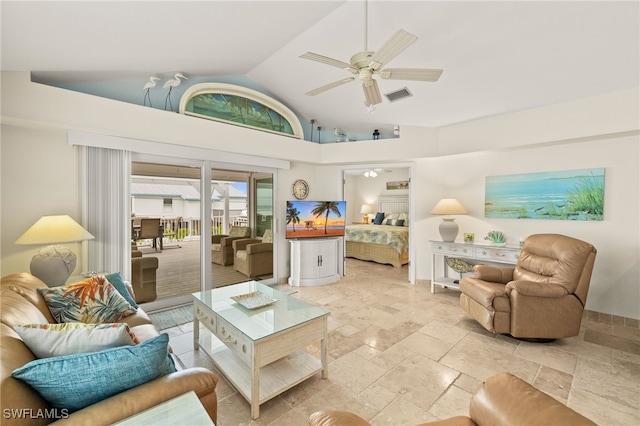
(116, 280)
(241, 254)
(240, 231)
(77, 381)
(93, 300)
(215, 247)
(49, 340)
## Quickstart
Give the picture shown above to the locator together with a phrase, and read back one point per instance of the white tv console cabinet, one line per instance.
(314, 261)
(475, 253)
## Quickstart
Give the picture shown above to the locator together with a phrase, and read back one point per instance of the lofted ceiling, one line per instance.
(497, 57)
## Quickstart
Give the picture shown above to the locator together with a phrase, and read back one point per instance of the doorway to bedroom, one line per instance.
(382, 190)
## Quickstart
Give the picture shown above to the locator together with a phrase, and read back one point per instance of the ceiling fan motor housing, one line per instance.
(362, 59)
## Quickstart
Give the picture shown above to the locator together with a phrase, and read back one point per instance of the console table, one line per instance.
(475, 253)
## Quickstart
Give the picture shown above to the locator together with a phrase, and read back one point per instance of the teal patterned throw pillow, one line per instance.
(93, 300)
(77, 381)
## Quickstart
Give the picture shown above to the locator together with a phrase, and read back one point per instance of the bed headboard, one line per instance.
(393, 204)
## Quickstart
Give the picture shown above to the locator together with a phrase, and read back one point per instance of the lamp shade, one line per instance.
(448, 228)
(54, 229)
(449, 206)
(366, 209)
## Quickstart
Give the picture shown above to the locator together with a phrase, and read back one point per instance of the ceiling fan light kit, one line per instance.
(367, 63)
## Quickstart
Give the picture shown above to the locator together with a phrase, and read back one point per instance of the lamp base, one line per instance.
(53, 265)
(448, 230)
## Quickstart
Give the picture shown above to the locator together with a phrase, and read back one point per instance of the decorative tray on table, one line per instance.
(254, 300)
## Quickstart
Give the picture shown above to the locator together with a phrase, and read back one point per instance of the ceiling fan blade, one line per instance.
(329, 61)
(392, 48)
(415, 74)
(371, 92)
(330, 86)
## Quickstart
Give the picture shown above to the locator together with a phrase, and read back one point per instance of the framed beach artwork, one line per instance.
(561, 195)
(402, 184)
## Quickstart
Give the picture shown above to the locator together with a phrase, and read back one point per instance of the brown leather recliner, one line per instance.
(543, 297)
(502, 400)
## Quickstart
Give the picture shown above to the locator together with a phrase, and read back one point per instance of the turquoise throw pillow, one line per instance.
(77, 381)
(116, 280)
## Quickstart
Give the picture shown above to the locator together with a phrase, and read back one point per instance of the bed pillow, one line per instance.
(93, 300)
(379, 218)
(77, 381)
(400, 222)
(116, 280)
(49, 340)
(404, 217)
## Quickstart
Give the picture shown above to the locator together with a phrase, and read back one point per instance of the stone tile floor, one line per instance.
(400, 355)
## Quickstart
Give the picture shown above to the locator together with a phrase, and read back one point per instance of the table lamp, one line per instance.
(55, 263)
(366, 210)
(448, 228)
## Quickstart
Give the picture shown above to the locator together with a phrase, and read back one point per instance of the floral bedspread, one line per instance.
(394, 236)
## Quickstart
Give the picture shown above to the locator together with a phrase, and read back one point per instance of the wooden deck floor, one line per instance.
(179, 269)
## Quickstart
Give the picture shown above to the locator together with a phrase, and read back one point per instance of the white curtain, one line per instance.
(107, 209)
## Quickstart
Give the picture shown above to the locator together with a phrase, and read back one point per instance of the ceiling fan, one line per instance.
(367, 63)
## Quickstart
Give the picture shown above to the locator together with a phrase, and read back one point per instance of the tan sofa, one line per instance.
(543, 297)
(20, 303)
(502, 400)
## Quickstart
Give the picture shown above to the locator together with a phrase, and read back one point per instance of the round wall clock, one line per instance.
(300, 189)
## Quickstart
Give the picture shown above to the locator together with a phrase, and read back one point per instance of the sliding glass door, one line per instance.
(166, 230)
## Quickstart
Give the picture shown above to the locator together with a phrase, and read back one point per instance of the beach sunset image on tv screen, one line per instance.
(315, 219)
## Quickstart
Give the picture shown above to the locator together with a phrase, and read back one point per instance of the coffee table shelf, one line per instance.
(275, 378)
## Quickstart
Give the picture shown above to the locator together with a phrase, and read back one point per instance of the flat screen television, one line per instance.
(315, 219)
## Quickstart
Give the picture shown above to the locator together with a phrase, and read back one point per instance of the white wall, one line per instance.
(39, 176)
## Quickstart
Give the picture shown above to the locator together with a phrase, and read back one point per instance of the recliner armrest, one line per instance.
(242, 243)
(259, 248)
(228, 241)
(215, 239)
(494, 274)
(536, 289)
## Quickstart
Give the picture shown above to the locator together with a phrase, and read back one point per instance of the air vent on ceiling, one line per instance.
(398, 94)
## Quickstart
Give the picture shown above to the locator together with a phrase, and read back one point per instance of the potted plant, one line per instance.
(496, 237)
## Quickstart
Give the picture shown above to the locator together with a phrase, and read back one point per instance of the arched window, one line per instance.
(240, 106)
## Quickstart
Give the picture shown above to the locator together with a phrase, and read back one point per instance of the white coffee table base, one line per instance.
(266, 367)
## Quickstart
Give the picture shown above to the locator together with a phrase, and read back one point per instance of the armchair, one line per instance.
(221, 248)
(543, 297)
(254, 257)
(143, 276)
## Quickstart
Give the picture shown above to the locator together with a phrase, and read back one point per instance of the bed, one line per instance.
(386, 243)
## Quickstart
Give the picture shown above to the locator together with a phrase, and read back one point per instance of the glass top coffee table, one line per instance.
(258, 337)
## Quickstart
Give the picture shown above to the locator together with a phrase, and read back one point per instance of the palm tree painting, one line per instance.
(315, 219)
(326, 208)
(293, 215)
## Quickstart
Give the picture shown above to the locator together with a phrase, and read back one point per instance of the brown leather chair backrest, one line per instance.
(557, 259)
